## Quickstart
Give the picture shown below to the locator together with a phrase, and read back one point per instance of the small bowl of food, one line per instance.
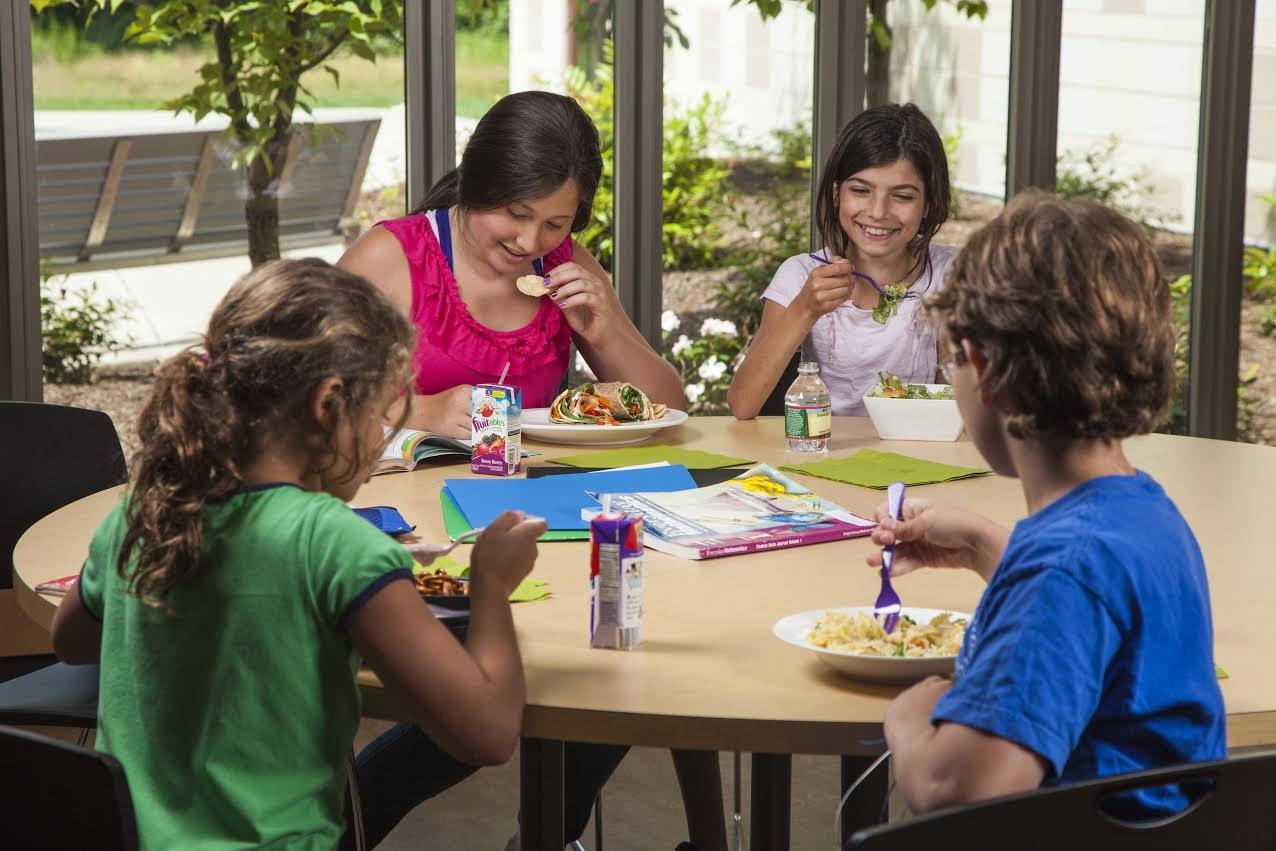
(902, 411)
(440, 588)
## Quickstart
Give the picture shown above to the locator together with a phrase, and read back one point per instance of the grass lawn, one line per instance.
(145, 79)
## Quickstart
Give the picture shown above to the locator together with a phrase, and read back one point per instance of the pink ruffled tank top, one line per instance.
(452, 347)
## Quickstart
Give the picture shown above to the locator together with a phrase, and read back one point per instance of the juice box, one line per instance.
(495, 411)
(615, 581)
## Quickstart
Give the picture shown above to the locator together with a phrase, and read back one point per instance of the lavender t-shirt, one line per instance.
(850, 347)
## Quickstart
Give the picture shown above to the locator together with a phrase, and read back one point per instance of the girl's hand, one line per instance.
(826, 288)
(506, 551)
(590, 304)
(932, 534)
(446, 413)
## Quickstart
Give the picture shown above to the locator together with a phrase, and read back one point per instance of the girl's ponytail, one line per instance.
(189, 433)
(442, 195)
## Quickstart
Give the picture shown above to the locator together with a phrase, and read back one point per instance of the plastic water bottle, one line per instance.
(808, 411)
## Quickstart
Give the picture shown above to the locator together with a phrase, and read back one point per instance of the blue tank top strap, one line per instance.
(445, 242)
(445, 235)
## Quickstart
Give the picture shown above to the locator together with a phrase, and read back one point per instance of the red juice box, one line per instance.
(615, 581)
(495, 412)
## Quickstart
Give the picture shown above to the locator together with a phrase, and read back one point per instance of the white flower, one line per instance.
(718, 326)
(669, 321)
(681, 346)
(694, 392)
(712, 369)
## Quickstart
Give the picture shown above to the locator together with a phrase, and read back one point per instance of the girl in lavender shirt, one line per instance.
(884, 194)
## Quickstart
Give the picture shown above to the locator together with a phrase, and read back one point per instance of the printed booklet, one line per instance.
(759, 510)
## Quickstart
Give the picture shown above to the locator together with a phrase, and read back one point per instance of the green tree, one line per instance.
(877, 74)
(263, 49)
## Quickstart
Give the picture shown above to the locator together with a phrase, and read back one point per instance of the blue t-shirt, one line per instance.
(1093, 645)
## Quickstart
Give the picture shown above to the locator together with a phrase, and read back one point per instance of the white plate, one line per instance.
(537, 425)
(883, 669)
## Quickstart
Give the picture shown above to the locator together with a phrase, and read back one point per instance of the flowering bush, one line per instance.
(706, 363)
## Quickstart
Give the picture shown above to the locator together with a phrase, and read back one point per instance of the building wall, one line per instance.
(1129, 68)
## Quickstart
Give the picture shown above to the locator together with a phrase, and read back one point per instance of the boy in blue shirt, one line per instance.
(1091, 651)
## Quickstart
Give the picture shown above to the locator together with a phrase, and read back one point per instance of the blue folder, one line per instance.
(559, 499)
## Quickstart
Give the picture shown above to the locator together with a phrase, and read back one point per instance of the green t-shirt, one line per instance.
(234, 715)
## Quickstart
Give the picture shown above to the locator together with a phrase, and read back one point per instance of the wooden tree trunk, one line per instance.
(877, 76)
(261, 207)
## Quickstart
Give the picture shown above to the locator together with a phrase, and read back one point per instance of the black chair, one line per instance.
(774, 404)
(1232, 810)
(51, 455)
(58, 795)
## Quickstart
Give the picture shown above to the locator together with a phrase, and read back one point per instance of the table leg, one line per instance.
(772, 781)
(864, 809)
(541, 795)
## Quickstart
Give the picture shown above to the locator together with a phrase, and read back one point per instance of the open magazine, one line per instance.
(410, 447)
(761, 509)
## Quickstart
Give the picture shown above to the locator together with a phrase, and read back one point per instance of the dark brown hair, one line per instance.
(279, 332)
(878, 137)
(525, 147)
(1066, 300)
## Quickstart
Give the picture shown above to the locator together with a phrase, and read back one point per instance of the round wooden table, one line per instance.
(710, 675)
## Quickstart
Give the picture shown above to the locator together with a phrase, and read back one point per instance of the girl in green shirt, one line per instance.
(231, 595)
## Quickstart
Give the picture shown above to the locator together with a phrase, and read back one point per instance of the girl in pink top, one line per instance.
(525, 183)
(883, 196)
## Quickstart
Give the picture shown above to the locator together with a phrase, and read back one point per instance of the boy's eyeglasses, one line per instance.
(950, 368)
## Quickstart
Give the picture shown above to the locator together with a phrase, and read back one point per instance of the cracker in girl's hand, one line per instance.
(533, 285)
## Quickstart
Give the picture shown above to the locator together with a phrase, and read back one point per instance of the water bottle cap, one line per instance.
(808, 367)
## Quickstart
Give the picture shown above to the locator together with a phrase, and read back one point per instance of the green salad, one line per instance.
(891, 386)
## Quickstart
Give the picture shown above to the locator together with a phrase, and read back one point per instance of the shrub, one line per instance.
(1091, 173)
(706, 363)
(1247, 402)
(79, 327)
(695, 200)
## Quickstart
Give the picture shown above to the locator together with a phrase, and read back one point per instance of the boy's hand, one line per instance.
(931, 534)
(826, 288)
(506, 551)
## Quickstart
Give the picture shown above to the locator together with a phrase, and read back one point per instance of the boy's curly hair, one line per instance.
(1066, 300)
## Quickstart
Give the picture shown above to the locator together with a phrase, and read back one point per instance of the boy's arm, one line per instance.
(77, 635)
(950, 764)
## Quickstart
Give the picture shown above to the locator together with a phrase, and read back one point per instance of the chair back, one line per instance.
(51, 455)
(60, 795)
(1233, 811)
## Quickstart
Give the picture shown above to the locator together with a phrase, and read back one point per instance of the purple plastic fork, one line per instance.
(880, 291)
(888, 600)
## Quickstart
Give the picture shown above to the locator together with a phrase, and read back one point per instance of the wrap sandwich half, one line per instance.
(604, 403)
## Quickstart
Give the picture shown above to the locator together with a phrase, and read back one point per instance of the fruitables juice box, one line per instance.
(495, 410)
(615, 581)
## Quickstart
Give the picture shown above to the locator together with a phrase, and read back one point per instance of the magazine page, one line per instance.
(762, 509)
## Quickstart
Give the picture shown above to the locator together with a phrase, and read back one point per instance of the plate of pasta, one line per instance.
(851, 641)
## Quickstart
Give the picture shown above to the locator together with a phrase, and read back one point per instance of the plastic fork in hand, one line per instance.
(425, 554)
(888, 600)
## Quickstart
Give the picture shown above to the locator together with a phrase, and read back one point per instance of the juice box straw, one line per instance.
(501, 380)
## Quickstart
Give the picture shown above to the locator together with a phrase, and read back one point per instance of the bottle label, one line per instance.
(808, 423)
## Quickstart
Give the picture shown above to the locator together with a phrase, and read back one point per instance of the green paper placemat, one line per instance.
(692, 459)
(528, 591)
(871, 469)
(455, 524)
